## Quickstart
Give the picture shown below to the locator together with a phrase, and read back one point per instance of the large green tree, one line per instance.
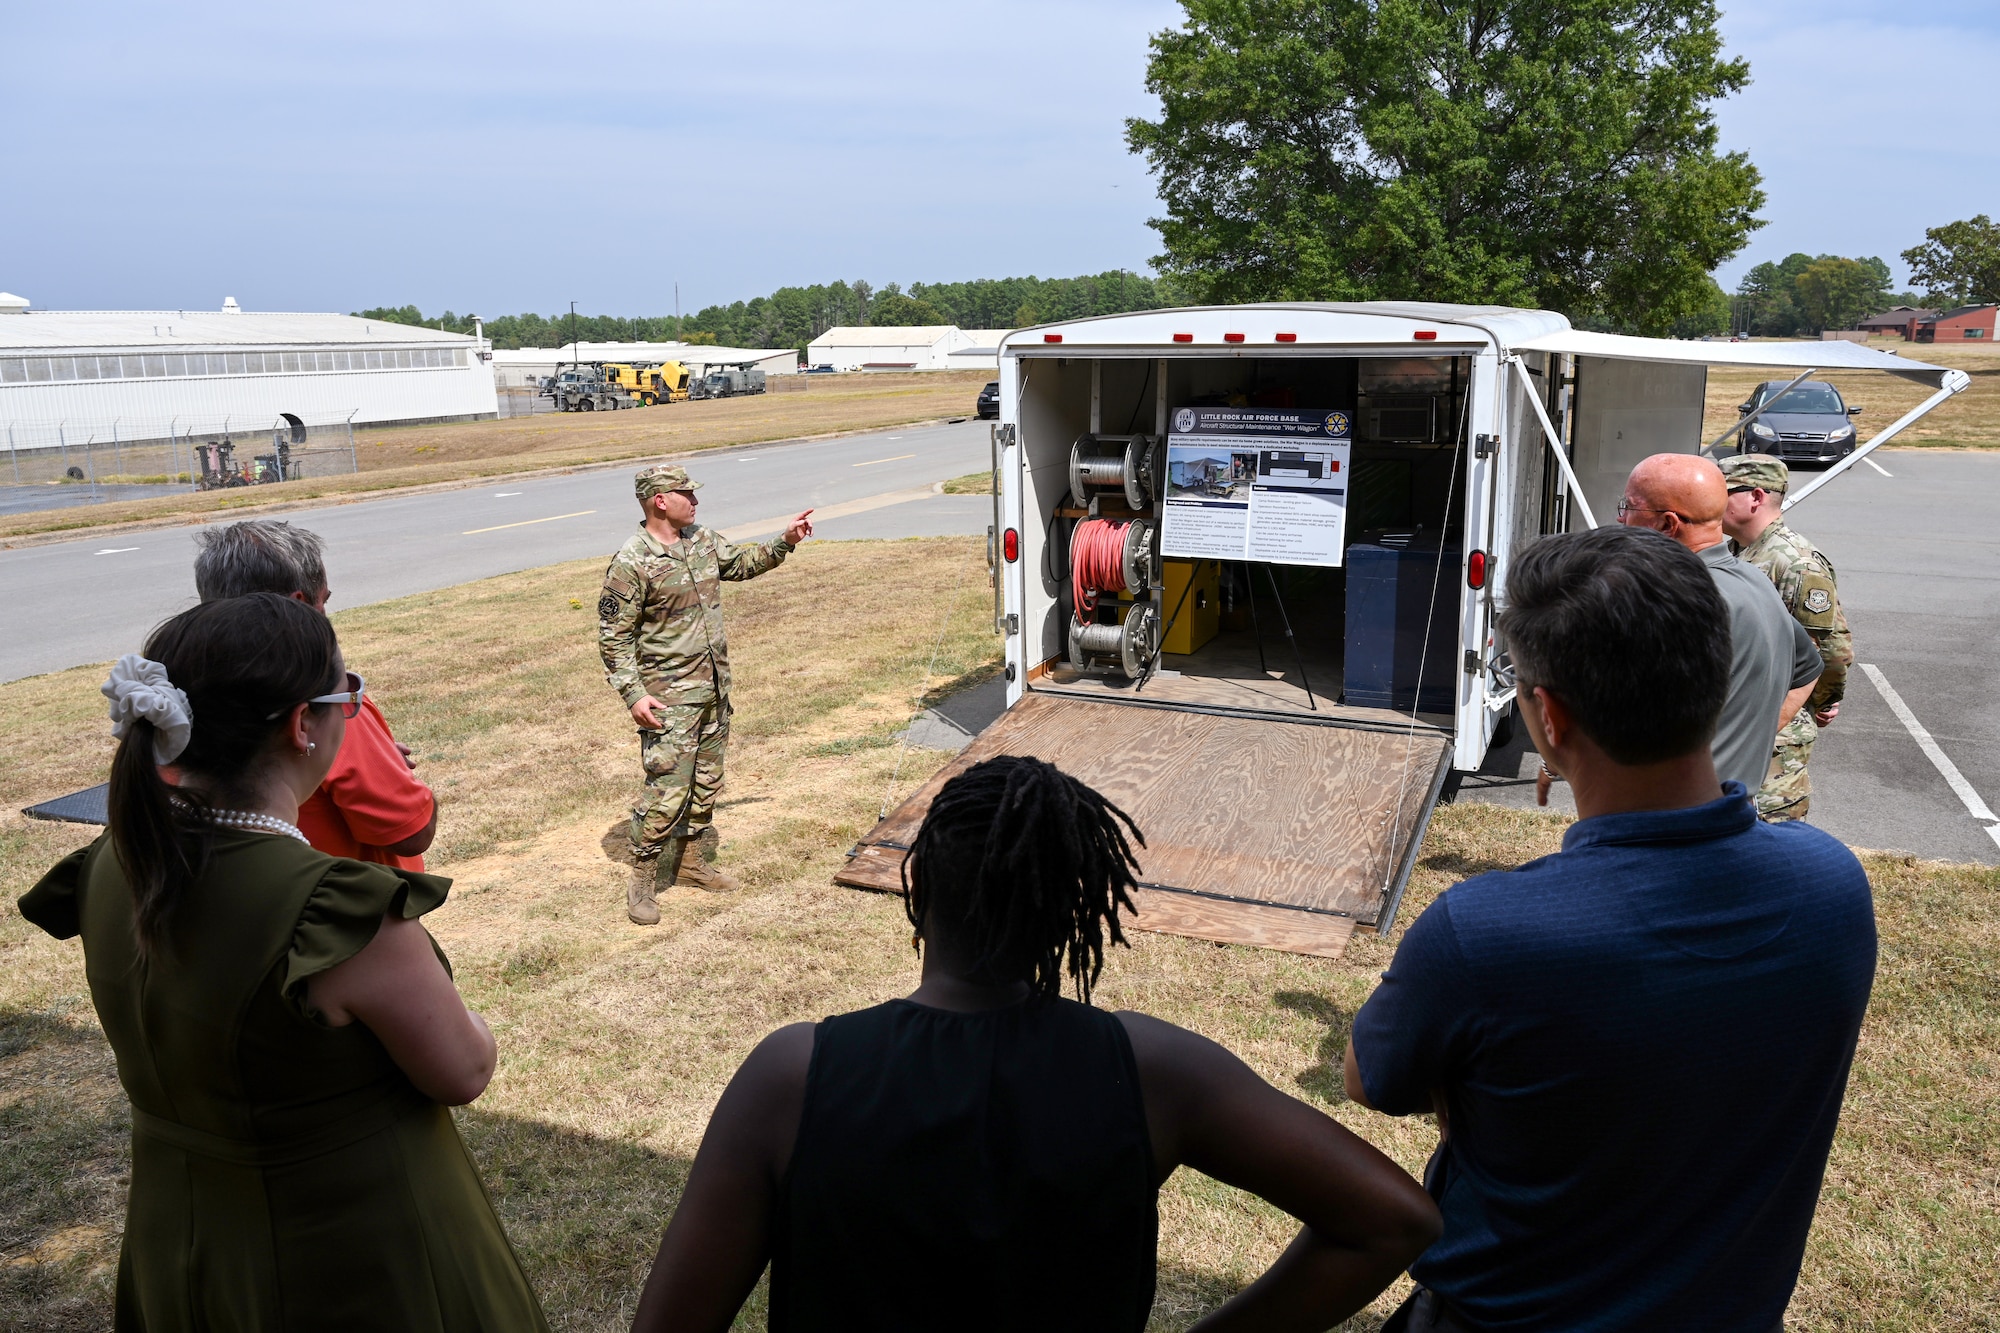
(1804, 293)
(1552, 153)
(1959, 263)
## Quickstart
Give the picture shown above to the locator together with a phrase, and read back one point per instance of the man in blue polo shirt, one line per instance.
(1637, 1047)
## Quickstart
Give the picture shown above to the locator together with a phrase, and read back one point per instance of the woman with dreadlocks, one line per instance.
(987, 1155)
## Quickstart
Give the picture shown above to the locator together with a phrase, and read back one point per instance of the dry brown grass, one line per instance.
(407, 456)
(616, 1041)
(1971, 420)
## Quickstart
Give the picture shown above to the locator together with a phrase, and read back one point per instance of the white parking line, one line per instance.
(1974, 804)
(116, 550)
(525, 523)
(501, 495)
(1877, 466)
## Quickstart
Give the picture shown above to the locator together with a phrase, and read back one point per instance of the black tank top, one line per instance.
(968, 1172)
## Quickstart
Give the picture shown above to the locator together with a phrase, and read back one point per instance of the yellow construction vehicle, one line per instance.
(650, 382)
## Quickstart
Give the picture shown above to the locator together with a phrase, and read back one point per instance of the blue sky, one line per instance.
(512, 156)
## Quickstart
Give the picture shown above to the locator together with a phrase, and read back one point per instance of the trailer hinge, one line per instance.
(1004, 433)
(1013, 623)
(1485, 446)
(1472, 663)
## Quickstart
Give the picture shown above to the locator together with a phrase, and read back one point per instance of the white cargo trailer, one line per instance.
(1247, 563)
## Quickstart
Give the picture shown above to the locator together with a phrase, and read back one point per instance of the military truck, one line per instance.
(728, 382)
(581, 388)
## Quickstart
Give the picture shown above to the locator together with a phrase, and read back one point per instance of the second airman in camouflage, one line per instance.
(659, 629)
(1805, 581)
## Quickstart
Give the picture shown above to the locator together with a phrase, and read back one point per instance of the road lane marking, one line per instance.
(501, 495)
(873, 461)
(1974, 804)
(1877, 466)
(116, 550)
(525, 523)
(745, 531)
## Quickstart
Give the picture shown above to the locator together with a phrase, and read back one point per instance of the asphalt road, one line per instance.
(92, 599)
(1918, 553)
(1918, 556)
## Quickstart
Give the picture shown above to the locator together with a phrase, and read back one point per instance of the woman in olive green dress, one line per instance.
(287, 1031)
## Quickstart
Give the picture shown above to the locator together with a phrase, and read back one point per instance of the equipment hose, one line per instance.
(1096, 563)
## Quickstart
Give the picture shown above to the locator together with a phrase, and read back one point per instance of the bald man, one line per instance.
(1773, 661)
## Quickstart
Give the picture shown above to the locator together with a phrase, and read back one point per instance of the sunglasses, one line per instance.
(349, 699)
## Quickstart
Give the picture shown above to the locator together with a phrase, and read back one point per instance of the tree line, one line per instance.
(794, 316)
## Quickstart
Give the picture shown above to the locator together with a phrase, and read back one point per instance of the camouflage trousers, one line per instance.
(683, 762)
(1787, 789)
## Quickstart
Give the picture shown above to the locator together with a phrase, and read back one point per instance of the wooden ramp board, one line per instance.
(1277, 834)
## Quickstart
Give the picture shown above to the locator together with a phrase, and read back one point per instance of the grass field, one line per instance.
(425, 455)
(615, 1041)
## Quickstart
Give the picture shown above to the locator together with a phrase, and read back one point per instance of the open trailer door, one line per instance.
(1637, 396)
(1283, 835)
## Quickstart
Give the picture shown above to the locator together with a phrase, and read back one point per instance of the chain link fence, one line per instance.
(196, 455)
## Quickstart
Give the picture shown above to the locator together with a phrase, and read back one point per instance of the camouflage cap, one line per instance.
(661, 479)
(1760, 470)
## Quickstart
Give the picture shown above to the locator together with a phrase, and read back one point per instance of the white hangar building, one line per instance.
(891, 347)
(67, 376)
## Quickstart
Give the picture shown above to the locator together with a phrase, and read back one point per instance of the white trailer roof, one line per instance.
(1244, 329)
(1794, 356)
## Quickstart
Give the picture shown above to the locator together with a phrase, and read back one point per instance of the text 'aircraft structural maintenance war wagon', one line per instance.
(1249, 560)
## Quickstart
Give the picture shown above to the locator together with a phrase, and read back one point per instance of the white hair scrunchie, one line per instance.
(138, 688)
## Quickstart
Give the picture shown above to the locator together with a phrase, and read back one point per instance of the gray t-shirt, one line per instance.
(1770, 656)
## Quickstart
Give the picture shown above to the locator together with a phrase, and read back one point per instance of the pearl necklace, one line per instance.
(248, 821)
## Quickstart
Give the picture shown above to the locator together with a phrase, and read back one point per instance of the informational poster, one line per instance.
(1257, 483)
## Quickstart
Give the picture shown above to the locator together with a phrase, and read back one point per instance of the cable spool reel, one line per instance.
(1125, 647)
(1124, 463)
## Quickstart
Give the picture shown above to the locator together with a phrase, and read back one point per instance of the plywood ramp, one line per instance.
(1283, 835)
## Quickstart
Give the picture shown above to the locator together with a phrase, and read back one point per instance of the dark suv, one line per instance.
(989, 401)
(1808, 424)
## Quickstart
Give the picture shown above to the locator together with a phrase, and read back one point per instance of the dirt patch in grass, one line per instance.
(405, 456)
(616, 1041)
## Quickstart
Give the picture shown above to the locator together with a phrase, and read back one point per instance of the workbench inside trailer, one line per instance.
(1247, 565)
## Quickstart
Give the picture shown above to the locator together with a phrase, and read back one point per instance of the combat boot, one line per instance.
(641, 903)
(696, 872)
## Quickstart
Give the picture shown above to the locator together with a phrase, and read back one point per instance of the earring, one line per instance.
(917, 941)
(310, 747)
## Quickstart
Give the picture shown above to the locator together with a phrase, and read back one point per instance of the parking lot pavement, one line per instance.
(1917, 552)
(27, 499)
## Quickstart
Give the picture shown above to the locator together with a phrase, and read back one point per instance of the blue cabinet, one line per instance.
(1396, 586)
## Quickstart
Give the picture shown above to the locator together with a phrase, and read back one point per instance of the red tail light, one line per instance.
(1010, 545)
(1475, 569)
(1051, 337)
(1183, 337)
(1288, 337)
(1232, 337)
(1425, 335)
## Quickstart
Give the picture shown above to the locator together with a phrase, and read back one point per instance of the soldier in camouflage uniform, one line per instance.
(1804, 577)
(659, 628)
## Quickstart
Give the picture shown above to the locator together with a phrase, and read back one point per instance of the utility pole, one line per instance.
(572, 335)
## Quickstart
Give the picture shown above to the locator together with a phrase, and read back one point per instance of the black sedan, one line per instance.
(989, 401)
(1808, 423)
